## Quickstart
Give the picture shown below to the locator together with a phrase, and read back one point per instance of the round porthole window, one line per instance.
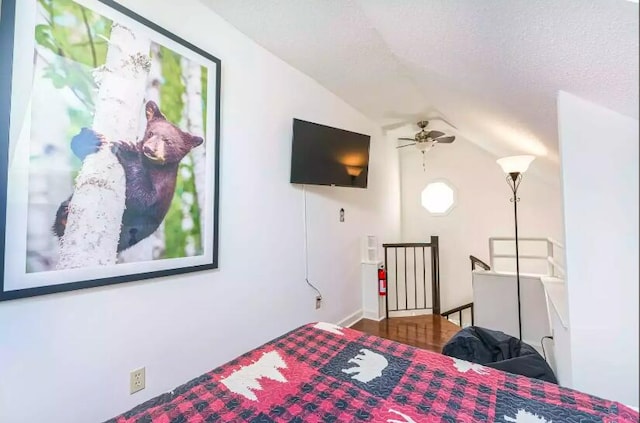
(438, 198)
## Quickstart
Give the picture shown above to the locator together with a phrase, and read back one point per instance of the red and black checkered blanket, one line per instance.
(325, 373)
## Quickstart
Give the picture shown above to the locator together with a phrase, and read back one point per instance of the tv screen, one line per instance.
(322, 155)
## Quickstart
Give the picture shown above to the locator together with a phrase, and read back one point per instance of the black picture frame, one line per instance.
(7, 42)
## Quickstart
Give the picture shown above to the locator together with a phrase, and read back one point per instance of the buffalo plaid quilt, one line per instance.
(325, 373)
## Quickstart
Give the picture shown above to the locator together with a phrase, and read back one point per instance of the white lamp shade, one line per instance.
(515, 164)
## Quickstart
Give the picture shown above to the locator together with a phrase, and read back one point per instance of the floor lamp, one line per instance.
(514, 167)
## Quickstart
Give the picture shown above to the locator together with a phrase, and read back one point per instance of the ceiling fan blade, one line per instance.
(434, 134)
(406, 145)
(445, 140)
(407, 139)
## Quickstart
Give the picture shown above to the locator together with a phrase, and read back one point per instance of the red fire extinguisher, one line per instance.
(382, 281)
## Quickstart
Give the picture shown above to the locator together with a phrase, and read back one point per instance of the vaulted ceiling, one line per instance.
(492, 68)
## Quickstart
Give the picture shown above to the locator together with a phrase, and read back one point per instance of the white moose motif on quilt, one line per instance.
(368, 366)
(245, 380)
(405, 418)
(526, 417)
(464, 366)
(329, 327)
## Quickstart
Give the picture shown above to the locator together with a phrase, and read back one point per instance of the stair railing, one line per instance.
(475, 264)
(409, 270)
(553, 254)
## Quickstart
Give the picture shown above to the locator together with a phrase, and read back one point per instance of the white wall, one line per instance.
(66, 357)
(495, 302)
(599, 151)
(483, 208)
(559, 355)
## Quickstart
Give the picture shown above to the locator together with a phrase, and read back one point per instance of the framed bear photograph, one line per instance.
(109, 148)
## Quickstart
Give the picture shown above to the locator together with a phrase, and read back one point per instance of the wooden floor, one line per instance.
(429, 332)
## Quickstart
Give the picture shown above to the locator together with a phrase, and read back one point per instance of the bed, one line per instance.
(325, 373)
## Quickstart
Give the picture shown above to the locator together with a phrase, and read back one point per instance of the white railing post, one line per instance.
(550, 267)
(492, 264)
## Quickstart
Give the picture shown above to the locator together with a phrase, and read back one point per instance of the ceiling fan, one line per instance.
(425, 140)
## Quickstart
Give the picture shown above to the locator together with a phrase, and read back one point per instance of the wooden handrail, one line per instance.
(408, 245)
(475, 261)
(459, 310)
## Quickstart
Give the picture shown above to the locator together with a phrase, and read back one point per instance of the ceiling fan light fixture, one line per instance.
(425, 140)
(424, 146)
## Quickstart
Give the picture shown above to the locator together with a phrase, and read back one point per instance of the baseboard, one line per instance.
(372, 316)
(409, 313)
(351, 319)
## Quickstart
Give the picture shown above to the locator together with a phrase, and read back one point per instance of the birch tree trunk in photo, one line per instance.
(195, 125)
(95, 212)
(153, 246)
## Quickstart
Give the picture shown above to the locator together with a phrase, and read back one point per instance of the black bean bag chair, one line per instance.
(500, 351)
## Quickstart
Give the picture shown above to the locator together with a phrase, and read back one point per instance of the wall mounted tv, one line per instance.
(322, 155)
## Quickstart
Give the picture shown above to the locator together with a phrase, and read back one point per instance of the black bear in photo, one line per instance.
(151, 169)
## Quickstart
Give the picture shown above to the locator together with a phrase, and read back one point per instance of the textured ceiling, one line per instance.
(493, 68)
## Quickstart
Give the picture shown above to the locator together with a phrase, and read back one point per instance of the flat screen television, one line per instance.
(322, 155)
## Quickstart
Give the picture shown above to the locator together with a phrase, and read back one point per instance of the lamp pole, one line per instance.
(513, 180)
(514, 167)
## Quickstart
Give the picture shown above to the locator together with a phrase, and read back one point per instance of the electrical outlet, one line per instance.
(136, 380)
(318, 302)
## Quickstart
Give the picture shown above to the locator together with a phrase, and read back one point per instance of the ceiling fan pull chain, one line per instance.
(424, 159)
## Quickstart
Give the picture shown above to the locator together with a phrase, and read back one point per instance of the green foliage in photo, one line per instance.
(204, 81)
(76, 40)
(182, 223)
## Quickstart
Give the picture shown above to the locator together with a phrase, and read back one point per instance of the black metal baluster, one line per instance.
(386, 269)
(424, 276)
(415, 279)
(396, 281)
(435, 275)
(406, 292)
